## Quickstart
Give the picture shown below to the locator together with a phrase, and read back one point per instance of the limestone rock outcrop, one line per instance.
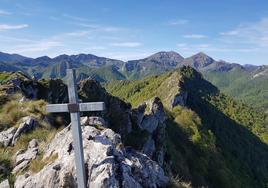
(22, 159)
(7, 136)
(28, 123)
(152, 121)
(108, 163)
(11, 135)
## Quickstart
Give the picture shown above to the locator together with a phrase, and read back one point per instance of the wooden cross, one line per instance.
(74, 108)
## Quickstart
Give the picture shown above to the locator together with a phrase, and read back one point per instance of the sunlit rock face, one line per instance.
(108, 163)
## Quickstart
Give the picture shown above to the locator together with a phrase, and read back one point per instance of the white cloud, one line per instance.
(87, 25)
(125, 56)
(181, 45)
(193, 48)
(75, 18)
(194, 36)
(111, 29)
(5, 13)
(101, 28)
(95, 48)
(12, 27)
(78, 33)
(14, 39)
(38, 46)
(255, 33)
(54, 18)
(230, 33)
(178, 22)
(126, 44)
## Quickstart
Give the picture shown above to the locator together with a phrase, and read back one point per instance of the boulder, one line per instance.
(92, 121)
(22, 160)
(7, 136)
(4, 184)
(28, 123)
(108, 163)
(11, 135)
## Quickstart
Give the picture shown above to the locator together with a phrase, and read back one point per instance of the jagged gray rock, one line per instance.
(7, 136)
(108, 163)
(11, 135)
(154, 117)
(4, 184)
(93, 120)
(22, 160)
(28, 123)
(153, 121)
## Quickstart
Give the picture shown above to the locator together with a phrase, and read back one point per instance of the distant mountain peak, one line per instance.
(43, 58)
(5, 57)
(169, 58)
(199, 60)
(201, 55)
(166, 54)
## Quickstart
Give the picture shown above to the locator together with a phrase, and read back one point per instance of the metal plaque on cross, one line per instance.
(74, 108)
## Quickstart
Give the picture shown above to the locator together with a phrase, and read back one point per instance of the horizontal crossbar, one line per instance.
(90, 106)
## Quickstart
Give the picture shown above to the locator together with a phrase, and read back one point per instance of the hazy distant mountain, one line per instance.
(165, 61)
(103, 74)
(5, 57)
(198, 61)
(261, 71)
(250, 67)
(46, 67)
(203, 62)
(89, 60)
(7, 67)
(134, 69)
(168, 59)
(154, 64)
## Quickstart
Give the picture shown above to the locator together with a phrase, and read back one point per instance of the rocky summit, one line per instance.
(108, 163)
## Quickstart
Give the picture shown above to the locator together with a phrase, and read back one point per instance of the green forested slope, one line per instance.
(215, 140)
(241, 85)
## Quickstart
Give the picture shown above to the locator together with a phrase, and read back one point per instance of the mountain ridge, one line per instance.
(5, 57)
(245, 82)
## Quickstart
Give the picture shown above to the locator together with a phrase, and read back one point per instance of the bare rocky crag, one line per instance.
(10, 136)
(108, 163)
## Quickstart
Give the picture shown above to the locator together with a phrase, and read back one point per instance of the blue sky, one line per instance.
(231, 30)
